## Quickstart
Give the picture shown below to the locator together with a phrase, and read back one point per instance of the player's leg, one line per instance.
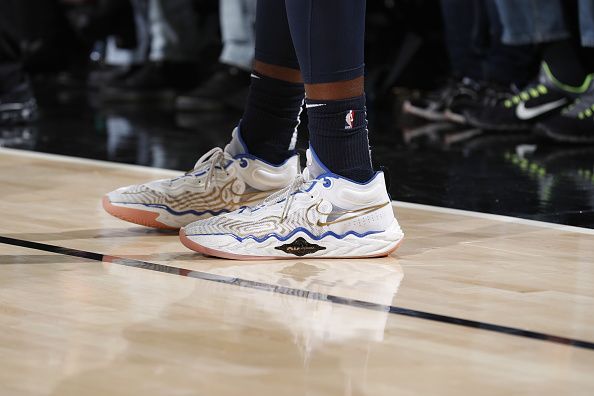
(271, 117)
(340, 207)
(329, 40)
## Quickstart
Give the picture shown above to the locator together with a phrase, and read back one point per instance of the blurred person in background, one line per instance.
(17, 102)
(560, 101)
(228, 86)
(120, 55)
(171, 52)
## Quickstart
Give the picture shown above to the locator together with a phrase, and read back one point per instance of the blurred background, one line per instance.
(482, 105)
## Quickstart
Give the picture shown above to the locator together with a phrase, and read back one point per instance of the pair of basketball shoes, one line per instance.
(234, 205)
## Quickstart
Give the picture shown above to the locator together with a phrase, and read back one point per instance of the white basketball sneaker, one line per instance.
(221, 182)
(320, 214)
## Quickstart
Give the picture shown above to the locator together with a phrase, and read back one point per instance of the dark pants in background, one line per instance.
(473, 37)
(11, 62)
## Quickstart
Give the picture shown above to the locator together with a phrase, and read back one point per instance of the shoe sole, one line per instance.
(542, 130)
(455, 117)
(136, 216)
(408, 108)
(497, 127)
(19, 114)
(182, 104)
(187, 242)
(108, 96)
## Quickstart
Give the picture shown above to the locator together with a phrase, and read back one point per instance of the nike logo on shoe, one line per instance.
(527, 114)
(353, 213)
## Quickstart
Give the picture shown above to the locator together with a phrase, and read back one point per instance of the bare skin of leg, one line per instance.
(327, 91)
(278, 72)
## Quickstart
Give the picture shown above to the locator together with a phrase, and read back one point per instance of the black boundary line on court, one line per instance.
(298, 292)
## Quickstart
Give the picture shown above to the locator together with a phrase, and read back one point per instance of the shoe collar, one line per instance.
(236, 146)
(546, 77)
(238, 150)
(315, 169)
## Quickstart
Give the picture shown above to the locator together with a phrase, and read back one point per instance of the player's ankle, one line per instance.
(338, 135)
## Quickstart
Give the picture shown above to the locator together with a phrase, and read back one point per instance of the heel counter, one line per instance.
(264, 176)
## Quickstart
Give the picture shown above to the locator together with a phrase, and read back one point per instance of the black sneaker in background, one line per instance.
(522, 110)
(575, 123)
(490, 95)
(152, 82)
(18, 106)
(227, 87)
(108, 75)
(444, 103)
(468, 95)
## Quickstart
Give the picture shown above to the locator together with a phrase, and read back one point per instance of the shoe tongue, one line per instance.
(236, 145)
(314, 167)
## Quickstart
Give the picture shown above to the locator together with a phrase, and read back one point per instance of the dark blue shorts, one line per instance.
(322, 38)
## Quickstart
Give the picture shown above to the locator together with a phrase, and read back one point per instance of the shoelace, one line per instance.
(580, 108)
(287, 194)
(213, 159)
(496, 95)
(527, 94)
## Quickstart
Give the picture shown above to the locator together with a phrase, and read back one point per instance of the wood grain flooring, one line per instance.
(144, 315)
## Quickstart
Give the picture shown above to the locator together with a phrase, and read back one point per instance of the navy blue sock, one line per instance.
(269, 123)
(338, 135)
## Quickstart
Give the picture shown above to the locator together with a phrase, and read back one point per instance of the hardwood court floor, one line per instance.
(90, 305)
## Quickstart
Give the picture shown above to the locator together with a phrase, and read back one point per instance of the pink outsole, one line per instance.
(187, 242)
(136, 216)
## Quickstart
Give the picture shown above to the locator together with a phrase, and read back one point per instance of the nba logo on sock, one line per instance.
(350, 119)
